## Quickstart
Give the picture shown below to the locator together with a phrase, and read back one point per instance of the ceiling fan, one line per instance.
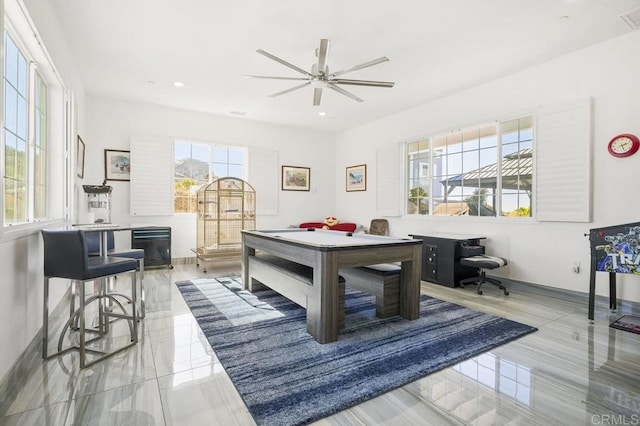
(320, 77)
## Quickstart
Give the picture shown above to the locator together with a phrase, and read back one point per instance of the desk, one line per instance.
(441, 253)
(328, 251)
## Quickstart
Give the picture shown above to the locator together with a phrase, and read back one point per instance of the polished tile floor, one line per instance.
(567, 373)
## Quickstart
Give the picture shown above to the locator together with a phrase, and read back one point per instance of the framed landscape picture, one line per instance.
(117, 164)
(296, 178)
(357, 178)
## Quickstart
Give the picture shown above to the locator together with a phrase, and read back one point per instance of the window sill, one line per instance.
(10, 233)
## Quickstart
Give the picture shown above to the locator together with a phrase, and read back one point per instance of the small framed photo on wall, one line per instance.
(117, 164)
(296, 178)
(357, 178)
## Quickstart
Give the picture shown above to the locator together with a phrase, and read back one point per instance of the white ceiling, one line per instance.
(135, 49)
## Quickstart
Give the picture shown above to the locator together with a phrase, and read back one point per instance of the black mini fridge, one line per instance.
(156, 242)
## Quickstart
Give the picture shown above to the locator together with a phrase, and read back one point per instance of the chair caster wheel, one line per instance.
(506, 293)
(480, 292)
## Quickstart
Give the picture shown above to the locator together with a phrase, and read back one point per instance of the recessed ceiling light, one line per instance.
(178, 84)
(564, 18)
(322, 113)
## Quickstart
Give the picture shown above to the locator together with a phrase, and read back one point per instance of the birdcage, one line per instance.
(226, 206)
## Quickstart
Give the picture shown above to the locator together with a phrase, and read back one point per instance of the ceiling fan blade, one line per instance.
(317, 94)
(283, 62)
(323, 52)
(363, 82)
(344, 92)
(290, 90)
(275, 78)
(361, 66)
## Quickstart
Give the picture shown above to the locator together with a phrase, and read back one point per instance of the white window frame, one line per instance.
(210, 162)
(18, 24)
(498, 190)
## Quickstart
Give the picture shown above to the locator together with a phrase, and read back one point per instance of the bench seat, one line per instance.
(290, 279)
(382, 281)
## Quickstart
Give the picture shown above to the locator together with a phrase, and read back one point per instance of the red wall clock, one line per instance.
(624, 145)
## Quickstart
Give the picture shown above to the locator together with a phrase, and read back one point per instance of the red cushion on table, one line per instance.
(347, 227)
(312, 225)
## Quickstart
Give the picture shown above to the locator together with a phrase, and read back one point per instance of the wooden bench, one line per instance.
(382, 281)
(292, 280)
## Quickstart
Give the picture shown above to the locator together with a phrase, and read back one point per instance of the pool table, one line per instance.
(328, 251)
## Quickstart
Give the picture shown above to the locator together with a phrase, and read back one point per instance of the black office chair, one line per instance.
(93, 245)
(66, 256)
(483, 262)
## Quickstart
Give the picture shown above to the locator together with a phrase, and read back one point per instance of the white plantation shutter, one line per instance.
(563, 163)
(388, 181)
(151, 185)
(263, 176)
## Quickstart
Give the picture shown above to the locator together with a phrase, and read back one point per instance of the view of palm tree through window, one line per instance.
(480, 171)
(197, 164)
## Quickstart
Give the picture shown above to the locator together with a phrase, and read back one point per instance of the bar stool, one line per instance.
(93, 245)
(483, 262)
(66, 256)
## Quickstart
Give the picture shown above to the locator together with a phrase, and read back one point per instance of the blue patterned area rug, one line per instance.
(287, 378)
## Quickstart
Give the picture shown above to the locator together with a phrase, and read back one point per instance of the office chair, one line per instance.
(66, 256)
(483, 262)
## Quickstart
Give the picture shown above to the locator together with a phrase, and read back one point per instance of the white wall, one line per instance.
(540, 253)
(112, 122)
(21, 260)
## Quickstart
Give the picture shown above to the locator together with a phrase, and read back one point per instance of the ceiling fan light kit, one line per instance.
(320, 78)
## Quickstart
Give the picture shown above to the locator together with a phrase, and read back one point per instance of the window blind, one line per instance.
(151, 186)
(263, 176)
(388, 181)
(563, 162)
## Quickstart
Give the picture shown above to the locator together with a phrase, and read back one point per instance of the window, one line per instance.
(480, 171)
(196, 164)
(38, 128)
(25, 138)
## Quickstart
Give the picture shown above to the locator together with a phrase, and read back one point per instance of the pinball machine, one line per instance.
(615, 250)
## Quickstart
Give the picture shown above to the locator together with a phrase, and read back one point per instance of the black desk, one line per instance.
(441, 253)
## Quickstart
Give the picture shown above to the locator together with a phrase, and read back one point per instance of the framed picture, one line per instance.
(80, 158)
(357, 178)
(117, 165)
(296, 178)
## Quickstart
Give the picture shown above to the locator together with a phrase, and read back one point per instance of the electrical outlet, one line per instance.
(576, 267)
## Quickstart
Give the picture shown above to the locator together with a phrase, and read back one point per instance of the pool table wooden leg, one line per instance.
(322, 306)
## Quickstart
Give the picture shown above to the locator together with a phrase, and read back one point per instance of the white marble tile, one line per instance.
(202, 396)
(134, 365)
(179, 348)
(569, 372)
(136, 405)
(47, 382)
(50, 415)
